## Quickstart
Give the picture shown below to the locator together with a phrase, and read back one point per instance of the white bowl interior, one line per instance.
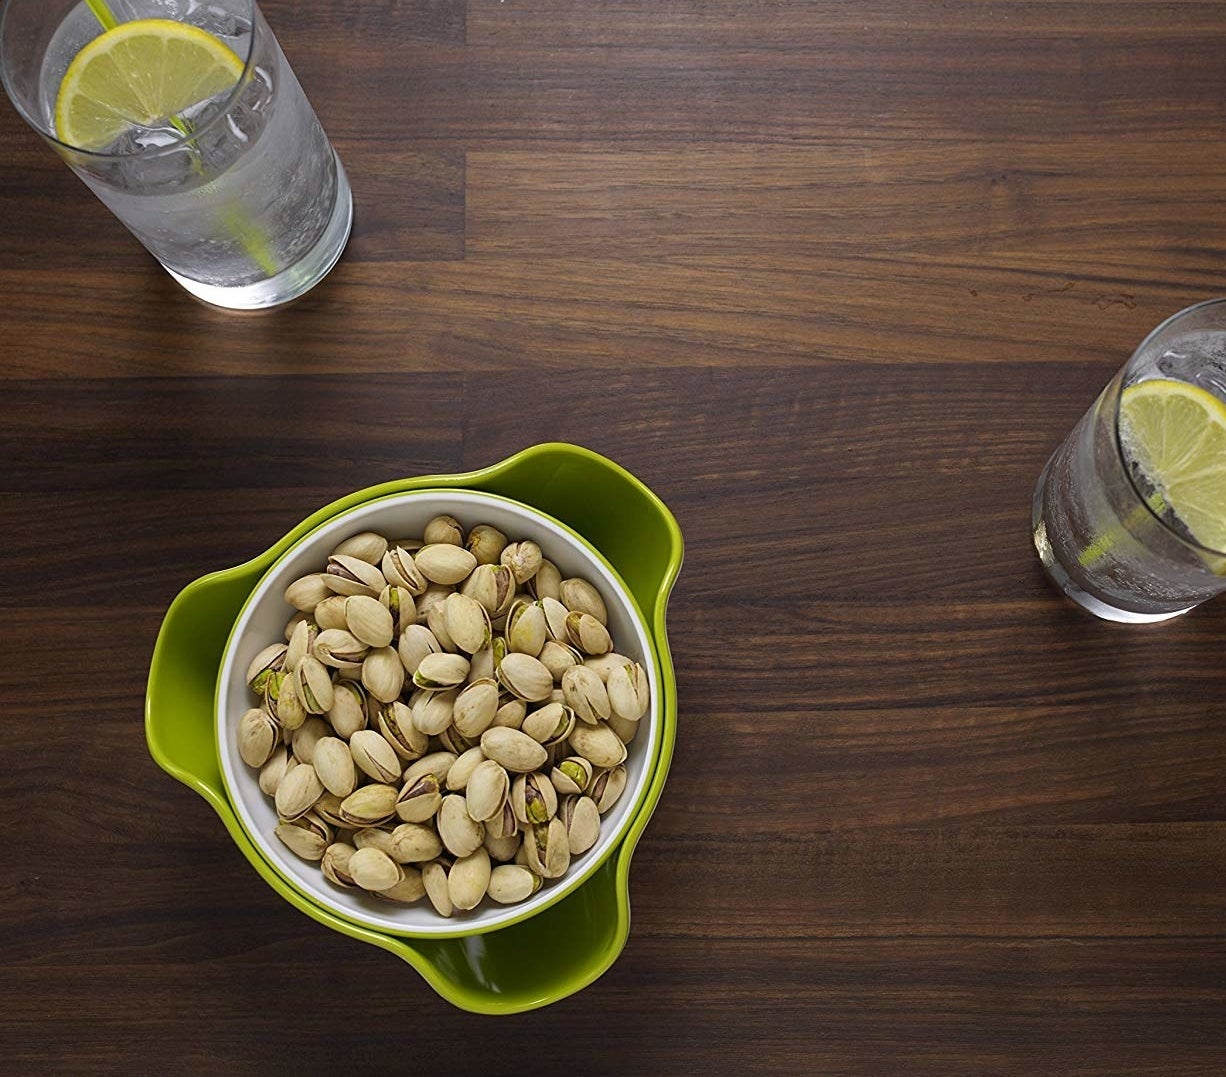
(263, 622)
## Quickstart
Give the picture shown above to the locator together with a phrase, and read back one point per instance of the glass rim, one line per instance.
(250, 7)
(1161, 327)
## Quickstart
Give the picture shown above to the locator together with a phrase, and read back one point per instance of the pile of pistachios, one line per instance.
(448, 718)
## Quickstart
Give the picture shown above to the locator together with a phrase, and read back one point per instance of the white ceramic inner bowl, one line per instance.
(263, 621)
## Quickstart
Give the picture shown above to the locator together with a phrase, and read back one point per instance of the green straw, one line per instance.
(250, 235)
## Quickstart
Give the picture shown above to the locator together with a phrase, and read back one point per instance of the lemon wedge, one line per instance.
(137, 75)
(1176, 432)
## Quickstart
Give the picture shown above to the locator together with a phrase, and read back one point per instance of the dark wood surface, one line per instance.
(833, 278)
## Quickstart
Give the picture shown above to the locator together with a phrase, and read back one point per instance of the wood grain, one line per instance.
(833, 279)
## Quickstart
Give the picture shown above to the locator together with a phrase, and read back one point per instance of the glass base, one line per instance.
(1057, 574)
(300, 278)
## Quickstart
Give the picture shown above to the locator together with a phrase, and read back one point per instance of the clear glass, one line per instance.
(251, 207)
(1099, 529)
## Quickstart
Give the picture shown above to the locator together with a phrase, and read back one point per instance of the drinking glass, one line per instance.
(241, 198)
(1104, 532)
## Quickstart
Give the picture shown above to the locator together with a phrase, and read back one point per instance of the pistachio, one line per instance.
(408, 890)
(313, 685)
(582, 823)
(340, 649)
(444, 563)
(524, 677)
(281, 700)
(491, 585)
(370, 837)
(328, 808)
(335, 863)
(383, 674)
(452, 740)
(412, 843)
(298, 791)
(274, 770)
(481, 665)
(551, 724)
(469, 879)
(308, 836)
(555, 619)
(548, 848)
(583, 691)
(258, 737)
(467, 622)
(572, 775)
(525, 629)
(607, 788)
(475, 707)
(400, 606)
(369, 620)
(374, 756)
(396, 724)
(369, 805)
(400, 569)
(598, 744)
(628, 691)
(416, 642)
(349, 576)
(510, 713)
(547, 581)
(604, 664)
(588, 634)
(516, 751)
(533, 799)
(436, 764)
(419, 800)
(458, 830)
(503, 847)
(502, 824)
(625, 729)
(264, 665)
(486, 544)
(306, 736)
(462, 769)
(509, 883)
(366, 546)
(486, 789)
(348, 711)
(579, 596)
(523, 559)
(301, 643)
(558, 658)
(432, 713)
(434, 879)
(428, 599)
(333, 764)
(443, 529)
(438, 672)
(436, 621)
(307, 592)
(373, 869)
(294, 622)
(330, 613)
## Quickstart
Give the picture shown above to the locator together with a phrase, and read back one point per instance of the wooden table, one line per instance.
(833, 278)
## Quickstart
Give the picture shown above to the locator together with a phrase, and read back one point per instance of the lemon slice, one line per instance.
(138, 74)
(1176, 432)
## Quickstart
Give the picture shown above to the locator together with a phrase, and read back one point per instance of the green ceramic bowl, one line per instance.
(562, 948)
